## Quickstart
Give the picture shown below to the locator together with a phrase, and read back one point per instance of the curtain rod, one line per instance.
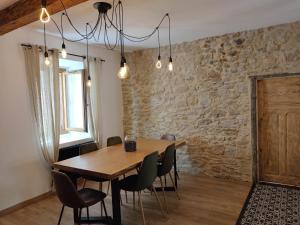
(71, 54)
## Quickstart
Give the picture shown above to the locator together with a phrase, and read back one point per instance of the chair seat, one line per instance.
(92, 178)
(90, 196)
(130, 183)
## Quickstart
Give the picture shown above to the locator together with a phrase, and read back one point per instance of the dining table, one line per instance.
(111, 163)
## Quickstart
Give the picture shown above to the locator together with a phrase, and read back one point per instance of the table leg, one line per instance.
(175, 168)
(115, 192)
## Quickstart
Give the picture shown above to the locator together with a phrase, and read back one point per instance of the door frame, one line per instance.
(254, 115)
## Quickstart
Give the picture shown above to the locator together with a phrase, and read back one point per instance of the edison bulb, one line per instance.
(47, 61)
(170, 66)
(89, 83)
(64, 53)
(45, 16)
(158, 64)
(123, 72)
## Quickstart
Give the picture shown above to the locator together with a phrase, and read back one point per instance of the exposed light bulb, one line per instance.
(158, 63)
(170, 66)
(64, 51)
(89, 83)
(47, 61)
(45, 16)
(123, 72)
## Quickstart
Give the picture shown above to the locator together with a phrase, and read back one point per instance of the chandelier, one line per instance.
(104, 23)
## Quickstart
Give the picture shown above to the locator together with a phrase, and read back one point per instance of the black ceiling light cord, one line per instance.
(63, 46)
(158, 63)
(89, 80)
(170, 66)
(104, 24)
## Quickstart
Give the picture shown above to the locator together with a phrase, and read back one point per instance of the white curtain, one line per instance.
(43, 82)
(94, 100)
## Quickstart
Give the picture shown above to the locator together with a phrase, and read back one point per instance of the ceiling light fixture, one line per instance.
(105, 23)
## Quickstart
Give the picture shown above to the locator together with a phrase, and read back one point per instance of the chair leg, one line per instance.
(126, 197)
(174, 186)
(61, 213)
(84, 183)
(141, 206)
(139, 196)
(133, 193)
(177, 175)
(105, 212)
(164, 194)
(108, 188)
(88, 215)
(160, 206)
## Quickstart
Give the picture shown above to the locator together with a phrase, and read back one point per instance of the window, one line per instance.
(73, 114)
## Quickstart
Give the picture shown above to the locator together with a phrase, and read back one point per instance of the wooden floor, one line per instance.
(204, 201)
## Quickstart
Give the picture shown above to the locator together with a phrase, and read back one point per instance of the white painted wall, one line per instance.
(23, 172)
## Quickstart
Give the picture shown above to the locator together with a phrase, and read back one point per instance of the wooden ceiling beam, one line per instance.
(24, 12)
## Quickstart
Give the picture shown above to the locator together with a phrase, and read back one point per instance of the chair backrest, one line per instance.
(114, 141)
(87, 148)
(148, 171)
(167, 161)
(66, 191)
(169, 137)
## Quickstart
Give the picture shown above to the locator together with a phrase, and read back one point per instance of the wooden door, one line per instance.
(279, 130)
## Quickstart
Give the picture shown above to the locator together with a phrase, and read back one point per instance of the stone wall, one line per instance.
(206, 100)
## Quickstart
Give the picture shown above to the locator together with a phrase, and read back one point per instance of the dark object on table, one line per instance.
(130, 144)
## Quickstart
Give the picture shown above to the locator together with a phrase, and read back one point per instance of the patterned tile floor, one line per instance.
(269, 204)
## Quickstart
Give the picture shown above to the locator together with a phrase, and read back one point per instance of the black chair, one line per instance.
(171, 137)
(87, 148)
(164, 167)
(69, 196)
(116, 140)
(143, 180)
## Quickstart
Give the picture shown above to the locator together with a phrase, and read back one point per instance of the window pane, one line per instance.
(74, 98)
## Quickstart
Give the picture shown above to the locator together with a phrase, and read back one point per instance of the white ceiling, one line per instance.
(191, 19)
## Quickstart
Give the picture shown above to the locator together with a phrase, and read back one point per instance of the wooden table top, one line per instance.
(111, 162)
